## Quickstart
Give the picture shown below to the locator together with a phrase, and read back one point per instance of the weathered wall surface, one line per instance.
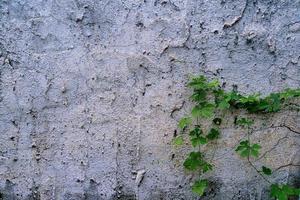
(91, 92)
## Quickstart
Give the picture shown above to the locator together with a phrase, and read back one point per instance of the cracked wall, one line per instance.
(91, 92)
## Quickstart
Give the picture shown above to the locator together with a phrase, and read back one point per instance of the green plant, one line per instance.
(211, 103)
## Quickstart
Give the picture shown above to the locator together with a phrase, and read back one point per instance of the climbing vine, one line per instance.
(211, 103)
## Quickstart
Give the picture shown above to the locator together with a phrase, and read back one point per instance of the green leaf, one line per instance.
(198, 141)
(213, 84)
(282, 192)
(184, 122)
(196, 138)
(199, 96)
(223, 100)
(245, 149)
(266, 170)
(205, 110)
(199, 82)
(199, 187)
(213, 134)
(206, 167)
(244, 122)
(254, 150)
(223, 105)
(178, 141)
(249, 99)
(274, 103)
(193, 161)
(288, 93)
(278, 193)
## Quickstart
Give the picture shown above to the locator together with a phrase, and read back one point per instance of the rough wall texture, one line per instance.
(91, 92)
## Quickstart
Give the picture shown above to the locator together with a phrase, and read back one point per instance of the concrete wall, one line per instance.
(91, 92)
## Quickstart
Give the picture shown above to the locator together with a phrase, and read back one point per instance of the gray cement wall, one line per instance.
(91, 92)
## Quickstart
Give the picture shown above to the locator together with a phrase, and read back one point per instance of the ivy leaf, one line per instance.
(184, 122)
(193, 161)
(254, 150)
(206, 167)
(223, 101)
(196, 132)
(234, 96)
(266, 170)
(274, 103)
(244, 122)
(213, 134)
(198, 141)
(199, 82)
(249, 99)
(178, 141)
(278, 193)
(199, 96)
(282, 192)
(199, 187)
(213, 84)
(246, 150)
(196, 138)
(205, 110)
(288, 93)
(223, 105)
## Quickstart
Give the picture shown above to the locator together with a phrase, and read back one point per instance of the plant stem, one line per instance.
(249, 161)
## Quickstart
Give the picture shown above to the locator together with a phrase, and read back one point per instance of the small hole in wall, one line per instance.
(139, 24)
(173, 156)
(223, 84)
(175, 133)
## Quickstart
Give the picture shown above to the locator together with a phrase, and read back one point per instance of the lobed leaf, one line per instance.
(213, 134)
(206, 110)
(184, 122)
(178, 141)
(193, 161)
(266, 170)
(283, 192)
(245, 149)
(199, 187)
